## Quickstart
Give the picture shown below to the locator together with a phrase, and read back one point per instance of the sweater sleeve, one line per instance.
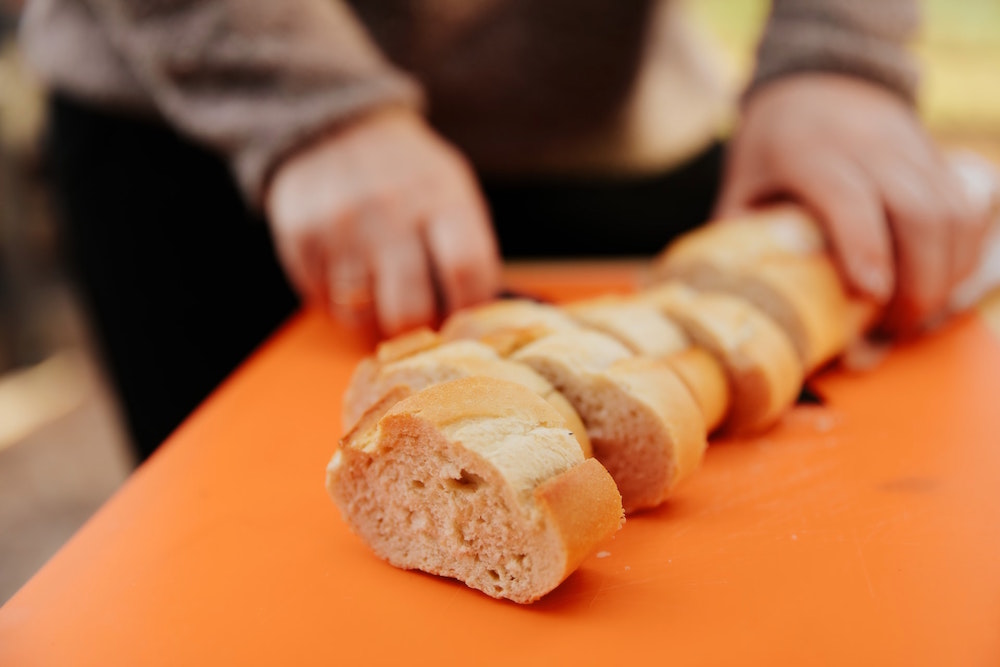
(253, 79)
(864, 38)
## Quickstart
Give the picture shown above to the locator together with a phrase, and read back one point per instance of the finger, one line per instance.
(957, 204)
(404, 294)
(303, 259)
(848, 205)
(980, 181)
(981, 189)
(919, 220)
(966, 224)
(466, 262)
(349, 288)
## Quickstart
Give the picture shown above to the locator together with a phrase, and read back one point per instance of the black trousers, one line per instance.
(180, 278)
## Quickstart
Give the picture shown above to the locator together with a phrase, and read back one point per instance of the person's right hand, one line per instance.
(383, 221)
(901, 223)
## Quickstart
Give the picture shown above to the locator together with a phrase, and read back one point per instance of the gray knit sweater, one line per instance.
(256, 79)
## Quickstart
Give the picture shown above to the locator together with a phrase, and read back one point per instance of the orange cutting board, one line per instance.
(866, 531)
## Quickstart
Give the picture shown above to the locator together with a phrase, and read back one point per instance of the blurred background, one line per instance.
(62, 446)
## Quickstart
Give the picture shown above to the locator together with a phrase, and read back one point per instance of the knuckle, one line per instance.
(921, 220)
(465, 279)
(966, 220)
(459, 271)
(925, 295)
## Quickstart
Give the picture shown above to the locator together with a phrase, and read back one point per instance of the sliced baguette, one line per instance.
(764, 372)
(777, 260)
(435, 363)
(643, 423)
(476, 479)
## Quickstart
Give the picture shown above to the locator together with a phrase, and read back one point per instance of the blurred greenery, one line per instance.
(958, 46)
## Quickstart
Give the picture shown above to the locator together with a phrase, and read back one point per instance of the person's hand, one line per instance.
(383, 222)
(898, 219)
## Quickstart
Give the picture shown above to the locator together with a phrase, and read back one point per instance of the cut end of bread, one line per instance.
(644, 329)
(706, 379)
(763, 369)
(478, 480)
(643, 423)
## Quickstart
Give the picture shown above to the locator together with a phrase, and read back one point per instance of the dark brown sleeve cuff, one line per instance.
(284, 126)
(860, 38)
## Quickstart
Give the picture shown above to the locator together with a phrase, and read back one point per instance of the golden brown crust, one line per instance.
(653, 383)
(506, 315)
(371, 417)
(443, 362)
(357, 396)
(764, 370)
(706, 379)
(746, 240)
(644, 425)
(585, 507)
(508, 341)
(406, 345)
(777, 260)
(477, 398)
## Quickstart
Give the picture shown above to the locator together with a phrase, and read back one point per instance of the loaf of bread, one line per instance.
(643, 422)
(777, 260)
(764, 371)
(422, 359)
(477, 479)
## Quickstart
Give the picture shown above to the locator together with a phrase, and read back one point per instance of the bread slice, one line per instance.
(643, 423)
(764, 372)
(643, 329)
(508, 315)
(778, 261)
(435, 361)
(477, 479)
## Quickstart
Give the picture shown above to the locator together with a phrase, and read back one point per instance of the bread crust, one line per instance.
(763, 369)
(506, 316)
(442, 362)
(476, 479)
(644, 425)
(777, 260)
(406, 345)
(706, 379)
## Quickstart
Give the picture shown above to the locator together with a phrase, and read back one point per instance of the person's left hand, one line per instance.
(900, 224)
